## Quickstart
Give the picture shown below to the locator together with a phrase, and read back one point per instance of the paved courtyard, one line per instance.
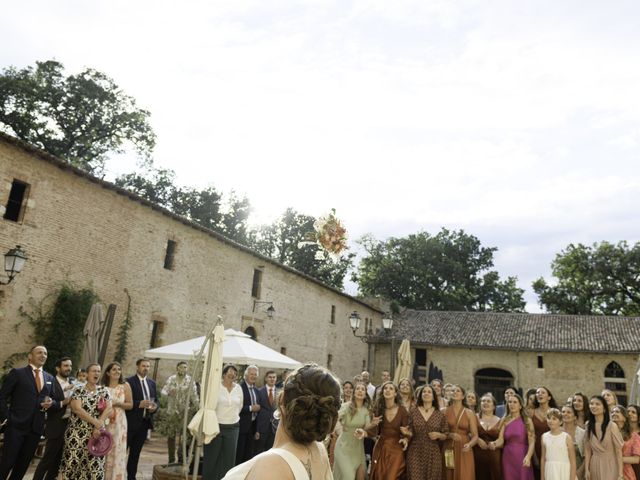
(153, 453)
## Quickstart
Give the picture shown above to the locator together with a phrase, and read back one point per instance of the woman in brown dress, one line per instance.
(463, 434)
(390, 424)
(487, 462)
(581, 406)
(436, 383)
(429, 428)
(407, 400)
(543, 402)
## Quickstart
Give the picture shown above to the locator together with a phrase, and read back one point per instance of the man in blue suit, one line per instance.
(140, 417)
(25, 396)
(267, 396)
(248, 416)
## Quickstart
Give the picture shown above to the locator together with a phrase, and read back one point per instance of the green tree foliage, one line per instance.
(447, 271)
(59, 327)
(207, 206)
(602, 279)
(280, 242)
(80, 118)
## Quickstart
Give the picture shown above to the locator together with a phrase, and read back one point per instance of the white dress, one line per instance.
(557, 465)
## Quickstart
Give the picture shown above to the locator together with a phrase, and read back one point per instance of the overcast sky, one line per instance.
(517, 121)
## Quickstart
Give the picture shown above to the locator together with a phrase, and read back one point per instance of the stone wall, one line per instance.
(79, 230)
(563, 372)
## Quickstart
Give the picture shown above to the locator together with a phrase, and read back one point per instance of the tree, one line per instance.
(206, 207)
(80, 118)
(603, 279)
(280, 242)
(447, 271)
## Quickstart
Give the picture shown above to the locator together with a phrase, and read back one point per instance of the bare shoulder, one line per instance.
(270, 466)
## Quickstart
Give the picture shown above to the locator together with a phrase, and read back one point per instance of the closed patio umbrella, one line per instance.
(404, 368)
(91, 332)
(204, 424)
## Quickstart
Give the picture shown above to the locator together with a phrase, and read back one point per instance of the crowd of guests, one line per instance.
(69, 412)
(307, 425)
(439, 431)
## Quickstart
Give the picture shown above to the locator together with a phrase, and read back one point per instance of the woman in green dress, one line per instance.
(349, 461)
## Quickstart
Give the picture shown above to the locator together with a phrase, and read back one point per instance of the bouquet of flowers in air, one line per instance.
(329, 235)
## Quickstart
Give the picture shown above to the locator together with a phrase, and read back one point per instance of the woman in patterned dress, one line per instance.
(121, 400)
(86, 422)
(429, 428)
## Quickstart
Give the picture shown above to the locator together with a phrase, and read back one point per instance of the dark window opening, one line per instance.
(169, 255)
(156, 331)
(329, 361)
(614, 370)
(17, 200)
(256, 287)
(540, 361)
(333, 314)
(283, 350)
(251, 332)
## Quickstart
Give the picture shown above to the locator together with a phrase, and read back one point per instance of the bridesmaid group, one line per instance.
(441, 432)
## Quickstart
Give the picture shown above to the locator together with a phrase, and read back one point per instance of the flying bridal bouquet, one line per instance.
(329, 235)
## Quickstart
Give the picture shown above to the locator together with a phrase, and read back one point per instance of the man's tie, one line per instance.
(38, 381)
(145, 394)
(271, 396)
(252, 394)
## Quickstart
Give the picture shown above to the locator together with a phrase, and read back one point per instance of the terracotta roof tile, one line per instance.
(520, 331)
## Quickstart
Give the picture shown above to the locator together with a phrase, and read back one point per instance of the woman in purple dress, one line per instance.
(517, 440)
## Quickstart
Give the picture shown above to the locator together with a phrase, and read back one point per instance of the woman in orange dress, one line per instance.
(390, 424)
(463, 435)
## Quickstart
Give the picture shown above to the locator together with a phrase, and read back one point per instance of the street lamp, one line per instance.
(270, 310)
(354, 323)
(13, 262)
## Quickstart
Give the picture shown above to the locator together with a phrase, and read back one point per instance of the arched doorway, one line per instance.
(251, 332)
(494, 381)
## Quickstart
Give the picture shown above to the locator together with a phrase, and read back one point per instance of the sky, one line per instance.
(517, 121)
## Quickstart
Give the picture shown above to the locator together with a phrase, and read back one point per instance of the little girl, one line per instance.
(558, 456)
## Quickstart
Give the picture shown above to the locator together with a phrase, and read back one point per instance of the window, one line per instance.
(540, 361)
(157, 326)
(256, 287)
(333, 314)
(17, 200)
(169, 255)
(614, 380)
(251, 332)
(329, 361)
(283, 350)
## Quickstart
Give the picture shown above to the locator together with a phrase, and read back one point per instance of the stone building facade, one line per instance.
(177, 275)
(489, 351)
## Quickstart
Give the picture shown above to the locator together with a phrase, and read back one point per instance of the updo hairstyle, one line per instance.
(310, 403)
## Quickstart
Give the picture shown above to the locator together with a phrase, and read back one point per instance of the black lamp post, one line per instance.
(270, 310)
(387, 325)
(14, 260)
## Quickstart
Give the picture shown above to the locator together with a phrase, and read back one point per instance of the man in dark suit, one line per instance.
(140, 417)
(267, 397)
(56, 422)
(25, 396)
(248, 416)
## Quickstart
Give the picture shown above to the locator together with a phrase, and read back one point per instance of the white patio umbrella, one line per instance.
(403, 370)
(91, 332)
(238, 348)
